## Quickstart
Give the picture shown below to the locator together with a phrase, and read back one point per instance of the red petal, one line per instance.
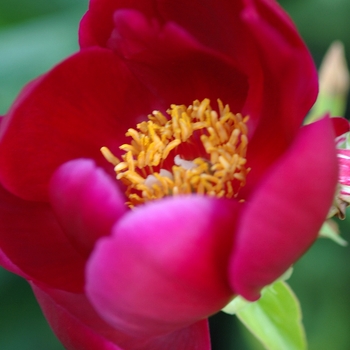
(165, 266)
(97, 24)
(260, 39)
(173, 64)
(7, 264)
(340, 125)
(66, 313)
(86, 102)
(195, 336)
(285, 213)
(32, 240)
(78, 327)
(265, 47)
(289, 84)
(86, 201)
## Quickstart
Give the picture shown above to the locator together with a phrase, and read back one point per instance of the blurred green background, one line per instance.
(36, 34)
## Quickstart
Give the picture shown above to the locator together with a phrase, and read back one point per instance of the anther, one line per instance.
(219, 169)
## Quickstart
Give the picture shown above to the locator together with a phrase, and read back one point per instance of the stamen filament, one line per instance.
(219, 170)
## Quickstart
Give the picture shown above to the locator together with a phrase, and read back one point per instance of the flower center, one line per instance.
(192, 150)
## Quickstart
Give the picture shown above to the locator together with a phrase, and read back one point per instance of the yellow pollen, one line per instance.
(158, 163)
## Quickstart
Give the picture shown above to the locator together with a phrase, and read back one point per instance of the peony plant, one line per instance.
(161, 171)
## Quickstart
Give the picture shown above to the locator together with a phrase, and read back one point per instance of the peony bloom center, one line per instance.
(194, 149)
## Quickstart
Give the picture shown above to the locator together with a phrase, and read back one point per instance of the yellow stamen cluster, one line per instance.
(220, 171)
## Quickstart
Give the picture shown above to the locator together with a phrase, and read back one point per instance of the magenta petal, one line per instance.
(31, 238)
(165, 267)
(86, 201)
(285, 213)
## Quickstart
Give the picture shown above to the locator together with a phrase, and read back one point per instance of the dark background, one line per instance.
(34, 35)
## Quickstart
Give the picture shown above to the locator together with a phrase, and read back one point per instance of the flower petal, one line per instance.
(166, 57)
(79, 327)
(262, 42)
(165, 266)
(86, 201)
(265, 47)
(97, 24)
(7, 264)
(60, 310)
(32, 239)
(289, 84)
(94, 94)
(285, 213)
(340, 125)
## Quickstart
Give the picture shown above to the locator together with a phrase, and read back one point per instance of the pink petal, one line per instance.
(79, 327)
(344, 168)
(86, 102)
(165, 267)
(86, 201)
(33, 242)
(285, 213)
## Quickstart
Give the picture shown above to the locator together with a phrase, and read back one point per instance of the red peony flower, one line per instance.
(225, 198)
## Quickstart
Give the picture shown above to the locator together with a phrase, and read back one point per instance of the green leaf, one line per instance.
(275, 319)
